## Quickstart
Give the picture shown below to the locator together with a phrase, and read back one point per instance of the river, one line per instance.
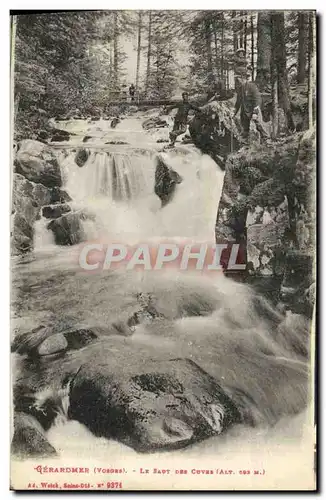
(234, 343)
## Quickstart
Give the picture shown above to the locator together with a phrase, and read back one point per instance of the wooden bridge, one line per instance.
(143, 102)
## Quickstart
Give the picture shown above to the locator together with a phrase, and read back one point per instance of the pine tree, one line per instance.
(303, 45)
(278, 29)
(138, 48)
(149, 51)
(312, 68)
(263, 50)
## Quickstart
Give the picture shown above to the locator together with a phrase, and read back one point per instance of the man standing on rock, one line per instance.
(249, 103)
(181, 118)
(132, 90)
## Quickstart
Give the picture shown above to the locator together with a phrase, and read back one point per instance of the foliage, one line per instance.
(70, 63)
(62, 66)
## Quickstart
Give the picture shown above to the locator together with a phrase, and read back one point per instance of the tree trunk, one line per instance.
(263, 50)
(138, 49)
(208, 38)
(111, 68)
(278, 43)
(115, 50)
(312, 68)
(235, 31)
(216, 50)
(241, 34)
(245, 31)
(149, 50)
(252, 32)
(302, 50)
(273, 73)
(222, 48)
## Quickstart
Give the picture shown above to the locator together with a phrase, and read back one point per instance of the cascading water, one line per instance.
(235, 343)
(117, 187)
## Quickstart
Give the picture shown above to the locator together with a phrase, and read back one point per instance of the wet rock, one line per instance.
(87, 138)
(37, 163)
(28, 196)
(81, 157)
(52, 345)
(114, 122)
(55, 211)
(310, 295)
(43, 136)
(154, 122)
(166, 180)
(162, 405)
(27, 342)
(187, 139)
(116, 142)
(125, 328)
(298, 277)
(29, 438)
(265, 241)
(68, 229)
(253, 187)
(294, 333)
(77, 339)
(21, 234)
(41, 195)
(58, 196)
(44, 403)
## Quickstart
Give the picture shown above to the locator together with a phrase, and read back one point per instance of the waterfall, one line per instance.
(231, 333)
(115, 187)
(118, 188)
(118, 176)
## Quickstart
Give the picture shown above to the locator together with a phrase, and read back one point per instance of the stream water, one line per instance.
(234, 343)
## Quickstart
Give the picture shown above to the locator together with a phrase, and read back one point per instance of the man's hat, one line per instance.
(241, 49)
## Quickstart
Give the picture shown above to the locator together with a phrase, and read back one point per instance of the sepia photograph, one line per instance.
(163, 250)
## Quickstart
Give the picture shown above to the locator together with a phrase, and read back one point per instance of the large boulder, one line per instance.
(298, 281)
(54, 344)
(29, 438)
(42, 341)
(38, 163)
(21, 234)
(25, 191)
(60, 135)
(77, 339)
(55, 211)
(256, 178)
(299, 276)
(268, 200)
(68, 229)
(166, 180)
(160, 405)
(58, 196)
(154, 122)
(27, 199)
(214, 131)
(81, 157)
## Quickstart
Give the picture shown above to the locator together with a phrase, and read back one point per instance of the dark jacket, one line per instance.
(248, 98)
(183, 111)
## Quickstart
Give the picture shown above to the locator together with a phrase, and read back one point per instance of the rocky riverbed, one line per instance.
(205, 356)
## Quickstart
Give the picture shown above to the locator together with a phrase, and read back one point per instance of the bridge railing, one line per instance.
(141, 102)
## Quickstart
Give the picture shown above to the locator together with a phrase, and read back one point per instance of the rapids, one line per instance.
(234, 339)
